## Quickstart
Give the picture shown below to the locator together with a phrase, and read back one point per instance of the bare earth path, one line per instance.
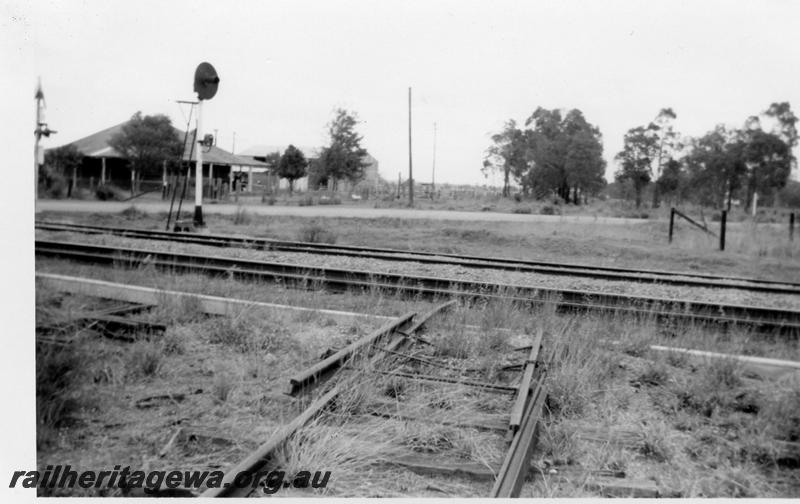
(323, 211)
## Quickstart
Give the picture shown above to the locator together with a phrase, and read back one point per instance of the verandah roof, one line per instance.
(96, 146)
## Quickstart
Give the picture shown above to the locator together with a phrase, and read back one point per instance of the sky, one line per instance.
(285, 66)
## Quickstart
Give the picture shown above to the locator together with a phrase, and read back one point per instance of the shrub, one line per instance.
(55, 184)
(522, 210)
(316, 233)
(547, 210)
(132, 213)
(329, 201)
(104, 193)
(306, 201)
(108, 192)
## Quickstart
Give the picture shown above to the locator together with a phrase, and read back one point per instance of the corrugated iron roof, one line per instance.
(216, 155)
(96, 145)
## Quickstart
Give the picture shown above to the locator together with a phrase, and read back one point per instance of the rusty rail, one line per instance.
(524, 423)
(262, 455)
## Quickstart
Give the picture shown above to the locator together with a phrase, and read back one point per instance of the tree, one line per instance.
(564, 155)
(506, 155)
(667, 138)
(786, 128)
(769, 163)
(272, 159)
(292, 166)
(59, 163)
(344, 157)
(639, 149)
(146, 142)
(672, 182)
(716, 166)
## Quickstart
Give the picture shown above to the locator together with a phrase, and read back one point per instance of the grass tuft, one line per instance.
(242, 217)
(316, 233)
(145, 359)
(58, 369)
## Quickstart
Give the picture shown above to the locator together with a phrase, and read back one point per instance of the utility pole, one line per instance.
(410, 170)
(433, 170)
(40, 131)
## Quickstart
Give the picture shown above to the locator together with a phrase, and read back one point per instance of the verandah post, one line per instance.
(671, 222)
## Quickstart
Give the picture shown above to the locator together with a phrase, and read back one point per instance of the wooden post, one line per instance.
(211, 180)
(74, 183)
(103, 171)
(791, 226)
(133, 180)
(722, 224)
(250, 179)
(164, 191)
(410, 171)
(671, 222)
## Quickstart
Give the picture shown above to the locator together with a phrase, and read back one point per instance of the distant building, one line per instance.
(103, 164)
(260, 153)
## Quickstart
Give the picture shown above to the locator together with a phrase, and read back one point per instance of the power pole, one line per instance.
(433, 170)
(40, 131)
(410, 170)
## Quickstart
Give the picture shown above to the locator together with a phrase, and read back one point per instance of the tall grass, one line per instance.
(58, 371)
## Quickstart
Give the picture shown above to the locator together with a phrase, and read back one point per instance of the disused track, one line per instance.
(541, 267)
(760, 318)
(400, 333)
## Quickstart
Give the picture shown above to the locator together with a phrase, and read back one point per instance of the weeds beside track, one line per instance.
(766, 319)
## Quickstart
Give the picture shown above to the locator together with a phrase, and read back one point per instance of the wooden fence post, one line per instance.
(722, 223)
(671, 222)
(791, 226)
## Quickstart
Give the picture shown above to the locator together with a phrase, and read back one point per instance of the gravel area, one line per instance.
(705, 294)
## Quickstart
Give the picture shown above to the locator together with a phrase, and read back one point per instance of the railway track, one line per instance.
(365, 356)
(540, 267)
(760, 318)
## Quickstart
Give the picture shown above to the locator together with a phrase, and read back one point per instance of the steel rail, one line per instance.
(505, 264)
(338, 279)
(525, 385)
(307, 377)
(516, 464)
(263, 454)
